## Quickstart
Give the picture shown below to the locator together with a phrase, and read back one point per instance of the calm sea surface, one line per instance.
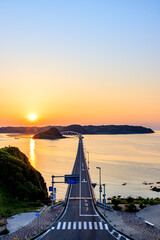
(130, 159)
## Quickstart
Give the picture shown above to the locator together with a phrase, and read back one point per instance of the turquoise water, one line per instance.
(130, 159)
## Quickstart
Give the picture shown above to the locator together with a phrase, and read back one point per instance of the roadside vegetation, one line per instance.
(130, 204)
(22, 188)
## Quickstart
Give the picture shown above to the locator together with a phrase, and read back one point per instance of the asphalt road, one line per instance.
(80, 220)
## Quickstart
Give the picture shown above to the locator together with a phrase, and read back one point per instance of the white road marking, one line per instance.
(101, 225)
(88, 215)
(59, 225)
(69, 225)
(85, 225)
(90, 225)
(74, 225)
(95, 225)
(119, 236)
(64, 225)
(84, 180)
(86, 204)
(87, 209)
(106, 227)
(79, 225)
(52, 228)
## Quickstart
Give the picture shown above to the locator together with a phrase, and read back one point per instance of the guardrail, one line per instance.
(107, 207)
(92, 190)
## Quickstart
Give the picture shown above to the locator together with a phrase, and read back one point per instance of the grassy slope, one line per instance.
(9, 206)
(21, 186)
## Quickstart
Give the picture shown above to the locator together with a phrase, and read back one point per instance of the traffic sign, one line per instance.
(71, 179)
(54, 190)
(50, 189)
(54, 197)
(37, 214)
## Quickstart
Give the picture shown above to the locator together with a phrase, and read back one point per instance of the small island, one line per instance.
(52, 133)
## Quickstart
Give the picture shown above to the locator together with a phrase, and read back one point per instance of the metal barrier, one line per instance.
(92, 190)
(107, 207)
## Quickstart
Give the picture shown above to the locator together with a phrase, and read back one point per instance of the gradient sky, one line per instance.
(83, 61)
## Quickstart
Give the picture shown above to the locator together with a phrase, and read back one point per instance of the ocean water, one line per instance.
(131, 159)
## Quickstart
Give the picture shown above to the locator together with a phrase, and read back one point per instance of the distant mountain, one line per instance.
(26, 130)
(51, 133)
(106, 129)
(89, 129)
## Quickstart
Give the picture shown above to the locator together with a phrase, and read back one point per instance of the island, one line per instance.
(106, 129)
(88, 129)
(52, 133)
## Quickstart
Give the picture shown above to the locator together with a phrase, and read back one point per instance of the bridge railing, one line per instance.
(71, 133)
(92, 190)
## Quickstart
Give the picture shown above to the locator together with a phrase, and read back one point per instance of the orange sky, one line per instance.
(78, 68)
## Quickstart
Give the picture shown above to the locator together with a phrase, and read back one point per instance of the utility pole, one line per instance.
(88, 160)
(100, 186)
(52, 190)
(104, 199)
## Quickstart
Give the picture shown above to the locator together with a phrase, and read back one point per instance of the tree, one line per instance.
(130, 199)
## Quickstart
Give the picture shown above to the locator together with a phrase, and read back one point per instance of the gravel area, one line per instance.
(133, 224)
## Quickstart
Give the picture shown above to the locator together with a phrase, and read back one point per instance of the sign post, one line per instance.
(37, 215)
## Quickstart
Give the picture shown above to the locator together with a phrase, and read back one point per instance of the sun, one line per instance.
(32, 117)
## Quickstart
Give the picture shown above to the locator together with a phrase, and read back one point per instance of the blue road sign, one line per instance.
(37, 214)
(72, 181)
(50, 189)
(54, 190)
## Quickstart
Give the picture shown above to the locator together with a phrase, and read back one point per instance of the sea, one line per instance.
(130, 164)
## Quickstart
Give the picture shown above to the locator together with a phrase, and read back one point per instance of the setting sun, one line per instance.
(32, 117)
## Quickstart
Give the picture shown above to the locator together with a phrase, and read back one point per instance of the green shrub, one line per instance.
(130, 199)
(5, 231)
(116, 201)
(131, 207)
(117, 208)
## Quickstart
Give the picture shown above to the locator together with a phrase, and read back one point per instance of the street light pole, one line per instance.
(88, 160)
(100, 186)
(104, 199)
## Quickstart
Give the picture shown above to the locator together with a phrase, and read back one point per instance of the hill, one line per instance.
(19, 181)
(51, 133)
(89, 129)
(107, 129)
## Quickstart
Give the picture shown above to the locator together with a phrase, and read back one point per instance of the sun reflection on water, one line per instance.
(32, 152)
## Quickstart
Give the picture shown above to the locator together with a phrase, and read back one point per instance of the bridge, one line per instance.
(71, 133)
(80, 219)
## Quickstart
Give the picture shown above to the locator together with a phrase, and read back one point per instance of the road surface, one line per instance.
(80, 220)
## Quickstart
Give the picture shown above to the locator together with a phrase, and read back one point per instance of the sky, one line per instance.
(84, 62)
